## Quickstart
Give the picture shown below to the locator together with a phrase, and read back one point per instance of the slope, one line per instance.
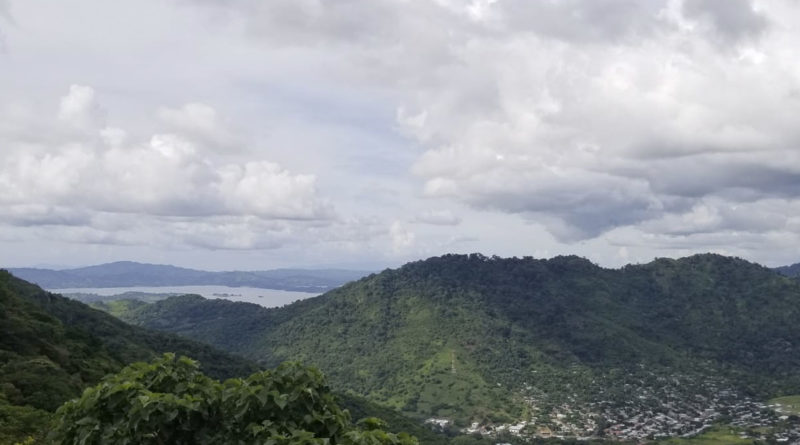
(51, 348)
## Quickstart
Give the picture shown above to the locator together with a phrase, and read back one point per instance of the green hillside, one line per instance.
(51, 348)
(483, 339)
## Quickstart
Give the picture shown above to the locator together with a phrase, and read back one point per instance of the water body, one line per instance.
(261, 297)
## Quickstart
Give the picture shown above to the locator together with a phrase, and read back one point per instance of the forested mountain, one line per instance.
(128, 273)
(495, 340)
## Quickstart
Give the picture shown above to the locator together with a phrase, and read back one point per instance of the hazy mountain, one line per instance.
(491, 339)
(127, 273)
(789, 271)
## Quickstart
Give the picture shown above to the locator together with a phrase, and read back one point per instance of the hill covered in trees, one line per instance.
(128, 273)
(53, 348)
(497, 341)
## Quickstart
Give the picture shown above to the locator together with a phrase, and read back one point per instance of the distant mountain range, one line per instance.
(128, 273)
(469, 338)
(789, 271)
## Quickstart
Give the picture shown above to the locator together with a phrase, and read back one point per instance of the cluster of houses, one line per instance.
(641, 411)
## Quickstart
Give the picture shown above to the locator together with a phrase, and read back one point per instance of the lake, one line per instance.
(261, 297)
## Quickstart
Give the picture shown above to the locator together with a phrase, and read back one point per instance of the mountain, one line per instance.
(789, 271)
(492, 340)
(128, 273)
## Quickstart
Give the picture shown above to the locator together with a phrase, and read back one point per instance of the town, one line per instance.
(661, 407)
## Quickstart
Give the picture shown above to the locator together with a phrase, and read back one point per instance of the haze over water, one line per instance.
(261, 297)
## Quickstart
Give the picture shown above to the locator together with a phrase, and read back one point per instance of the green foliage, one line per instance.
(718, 435)
(395, 422)
(22, 423)
(169, 401)
(51, 348)
(457, 336)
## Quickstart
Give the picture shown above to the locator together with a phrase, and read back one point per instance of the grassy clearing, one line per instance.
(787, 404)
(718, 435)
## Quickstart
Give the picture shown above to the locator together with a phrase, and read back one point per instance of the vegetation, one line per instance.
(465, 336)
(52, 348)
(720, 435)
(169, 401)
(788, 404)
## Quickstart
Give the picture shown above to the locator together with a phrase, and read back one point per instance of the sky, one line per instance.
(246, 134)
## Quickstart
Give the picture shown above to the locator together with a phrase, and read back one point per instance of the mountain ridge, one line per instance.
(130, 273)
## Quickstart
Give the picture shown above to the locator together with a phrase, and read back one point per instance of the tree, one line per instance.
(169, 401)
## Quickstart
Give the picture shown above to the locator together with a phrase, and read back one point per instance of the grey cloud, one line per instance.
(573, 205)
(5, 18)
(585, 21)
(27, 215)
(426, 23)
(311, 22)
(698, 176)
(438, 218)
(731, 20)
(713, 215)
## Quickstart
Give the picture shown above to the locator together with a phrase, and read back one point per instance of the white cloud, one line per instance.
(103, 171)
(402, 238)
(79, 109)
(200, 123)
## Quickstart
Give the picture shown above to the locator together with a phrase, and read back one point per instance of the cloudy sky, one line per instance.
(256, 134)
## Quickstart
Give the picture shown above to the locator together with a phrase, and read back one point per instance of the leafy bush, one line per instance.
(169, 401)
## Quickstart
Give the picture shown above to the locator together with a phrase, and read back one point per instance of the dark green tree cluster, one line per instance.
(169, 401)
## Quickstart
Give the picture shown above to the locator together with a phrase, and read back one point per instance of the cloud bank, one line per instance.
(506, 126)
(582, 116)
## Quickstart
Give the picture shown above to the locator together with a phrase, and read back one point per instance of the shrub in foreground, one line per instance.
(169, 401)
